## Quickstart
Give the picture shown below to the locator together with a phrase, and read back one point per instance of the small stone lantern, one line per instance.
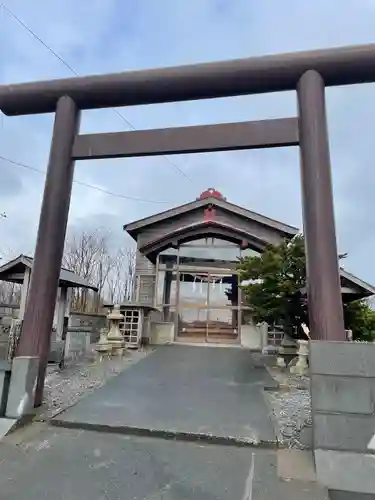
(114, 336)
(287, 351)
(103, 347)
(301, 368)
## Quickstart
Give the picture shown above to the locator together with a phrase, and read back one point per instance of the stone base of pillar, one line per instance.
(5, 373)
(22, 387)
(342, 377)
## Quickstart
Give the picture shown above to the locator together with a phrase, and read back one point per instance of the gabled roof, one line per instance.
(18, 265)
(134, 227)
(199, 229)
(353, 286)
(353, 280)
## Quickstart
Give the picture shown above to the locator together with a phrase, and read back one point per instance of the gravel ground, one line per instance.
(291, 409)
(292, 413)
(63, 388)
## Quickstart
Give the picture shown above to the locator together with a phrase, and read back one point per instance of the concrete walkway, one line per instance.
(50, 463)
(189, 392)
(207, 395)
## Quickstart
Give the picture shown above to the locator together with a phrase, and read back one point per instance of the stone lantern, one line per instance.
(114, 337)
(103, 347)
(287, 351)
(301, 368)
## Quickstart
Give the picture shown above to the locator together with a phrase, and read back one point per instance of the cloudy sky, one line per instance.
(99, 36)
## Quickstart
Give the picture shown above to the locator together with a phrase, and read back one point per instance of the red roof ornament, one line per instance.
(209, 214)
(211, 193)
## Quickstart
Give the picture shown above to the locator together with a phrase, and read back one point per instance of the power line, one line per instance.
(105, 191)
(70, 68)
(3, 215)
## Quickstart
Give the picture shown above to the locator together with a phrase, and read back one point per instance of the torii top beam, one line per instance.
(254, 75)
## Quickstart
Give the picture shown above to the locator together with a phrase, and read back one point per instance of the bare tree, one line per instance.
(91, 255)
(115, 278)
(87, 254)
(10, 293)
(121, 276)
(129, 273)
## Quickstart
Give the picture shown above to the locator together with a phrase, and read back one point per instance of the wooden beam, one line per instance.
(198, 139)
(13, 277)
(252, 75)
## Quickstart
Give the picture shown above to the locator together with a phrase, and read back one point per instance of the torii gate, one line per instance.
(307, 72)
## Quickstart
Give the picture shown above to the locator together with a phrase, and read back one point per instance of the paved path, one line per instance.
(51, 463)
(186, 391)
(194, 391)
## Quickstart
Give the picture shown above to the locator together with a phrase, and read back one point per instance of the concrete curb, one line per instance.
(12, 424)
(6, 426)
(166, 434)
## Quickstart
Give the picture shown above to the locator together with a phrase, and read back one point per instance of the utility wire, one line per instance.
(105, 191)
(70, 68)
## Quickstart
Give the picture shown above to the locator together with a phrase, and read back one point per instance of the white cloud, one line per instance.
(98, 37)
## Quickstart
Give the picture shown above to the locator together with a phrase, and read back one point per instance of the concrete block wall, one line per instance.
(343, 394)
(342, 377)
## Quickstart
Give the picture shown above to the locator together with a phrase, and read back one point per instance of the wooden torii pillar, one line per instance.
(323, 274)
(38, 320)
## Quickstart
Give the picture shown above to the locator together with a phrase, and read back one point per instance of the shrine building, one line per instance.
(186, 271)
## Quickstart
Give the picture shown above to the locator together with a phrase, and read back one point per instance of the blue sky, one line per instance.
(100, 36)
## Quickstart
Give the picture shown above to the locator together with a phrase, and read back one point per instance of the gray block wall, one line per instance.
(342, 394)
(342, 378)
